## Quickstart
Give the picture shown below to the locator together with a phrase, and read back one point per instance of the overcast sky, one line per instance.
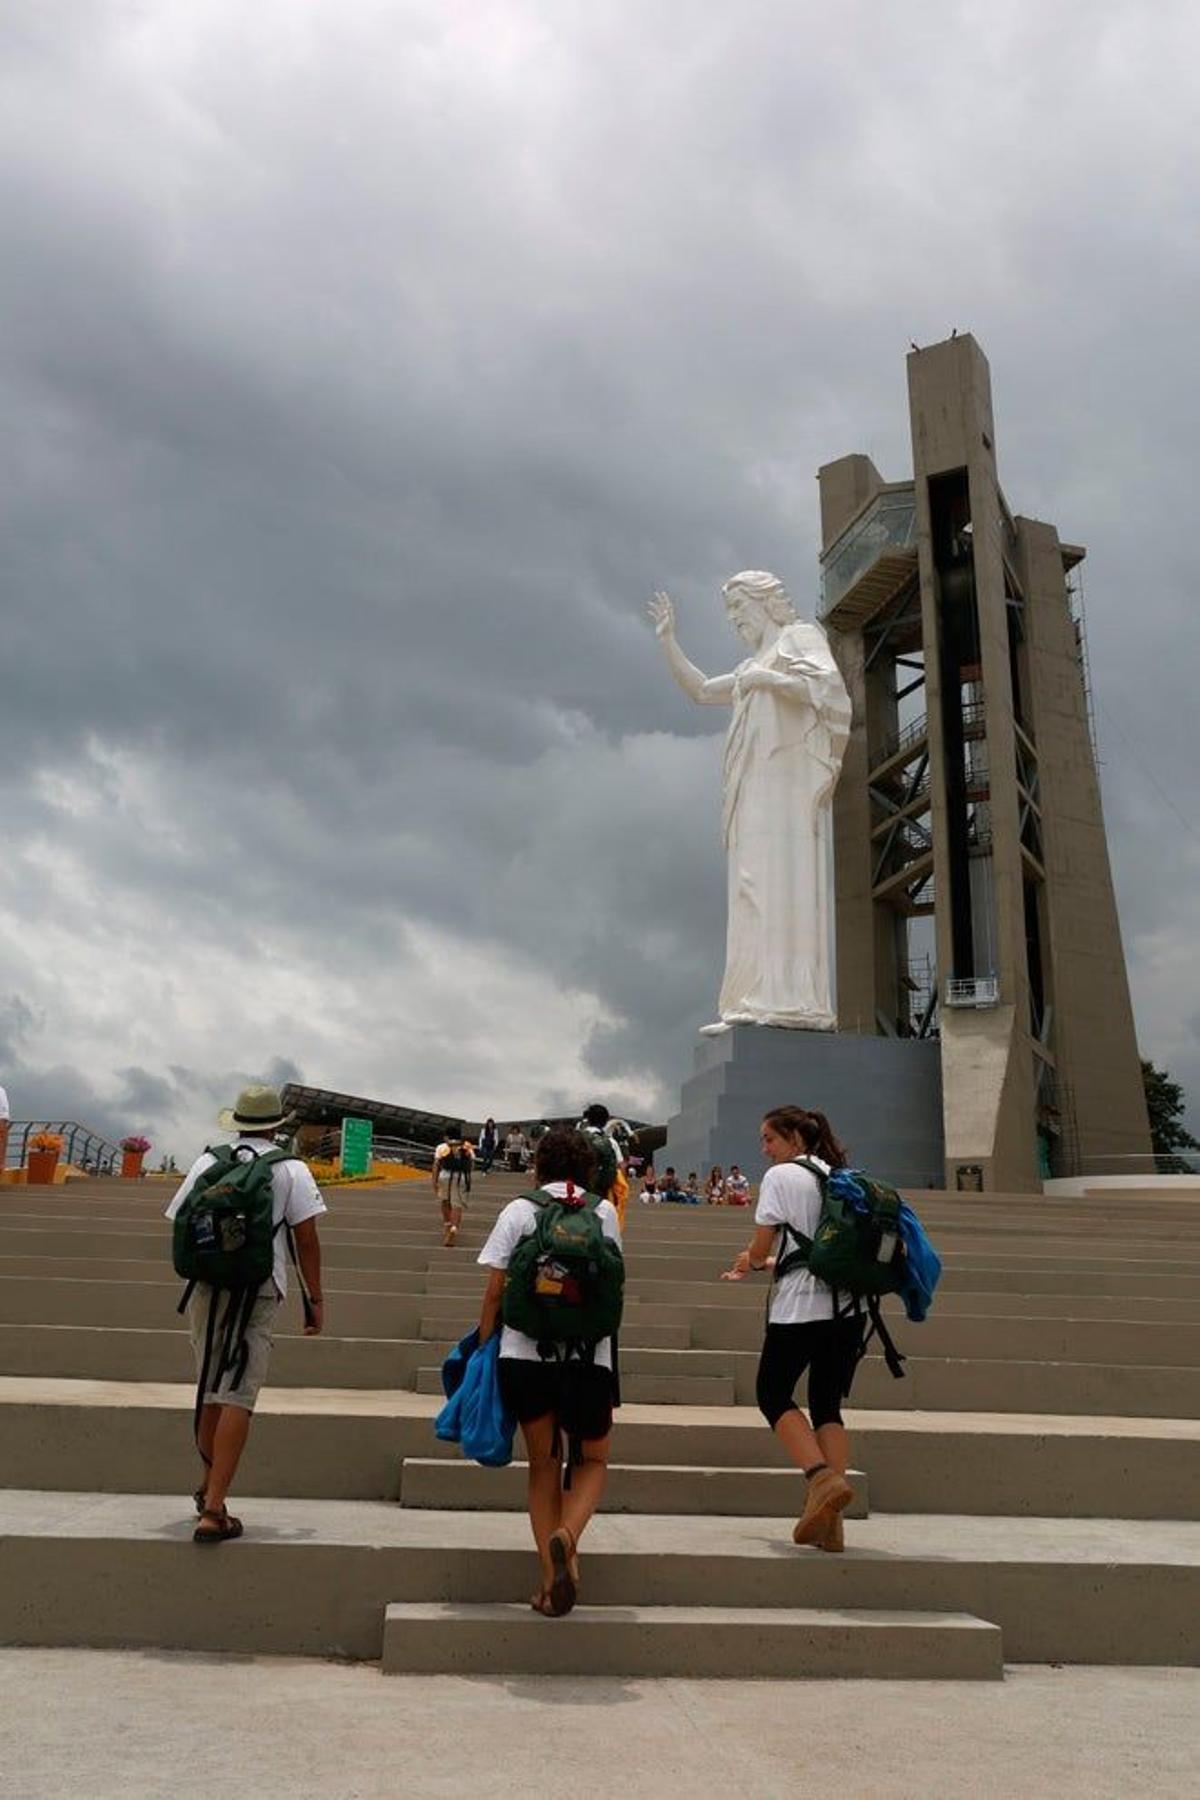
(366, 366)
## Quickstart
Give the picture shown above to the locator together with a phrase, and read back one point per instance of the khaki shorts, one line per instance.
(260, 1334)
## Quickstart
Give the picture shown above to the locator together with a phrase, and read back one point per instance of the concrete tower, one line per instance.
(974, 900)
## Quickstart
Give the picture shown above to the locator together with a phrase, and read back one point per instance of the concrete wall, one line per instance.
(882, 1096)
(1093, 1035)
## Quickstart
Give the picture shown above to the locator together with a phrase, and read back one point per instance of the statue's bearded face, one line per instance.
(747, 615)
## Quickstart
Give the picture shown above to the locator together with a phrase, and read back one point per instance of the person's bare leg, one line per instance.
(204, 1439)
(799, 1439)
(545, 1488)
(834, 1442)
(229, 1440)
(588, 1480)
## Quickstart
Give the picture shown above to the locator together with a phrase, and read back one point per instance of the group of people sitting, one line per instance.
(719, 1189)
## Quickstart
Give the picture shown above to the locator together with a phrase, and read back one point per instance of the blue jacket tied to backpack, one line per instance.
(923, 1266)
(475, 1416)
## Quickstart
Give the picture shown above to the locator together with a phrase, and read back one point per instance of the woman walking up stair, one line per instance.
(804, 1331)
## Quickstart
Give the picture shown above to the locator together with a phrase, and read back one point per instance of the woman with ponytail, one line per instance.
(803, 1330)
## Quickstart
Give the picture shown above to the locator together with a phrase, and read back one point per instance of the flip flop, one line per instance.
(564, 1588)
(227, 1527)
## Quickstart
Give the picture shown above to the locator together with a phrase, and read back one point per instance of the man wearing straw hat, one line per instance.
(226, 1405)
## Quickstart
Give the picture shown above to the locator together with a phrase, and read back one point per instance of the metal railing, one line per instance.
(975, 990)
(81, 1146)
(383, 1149)
(889, 524)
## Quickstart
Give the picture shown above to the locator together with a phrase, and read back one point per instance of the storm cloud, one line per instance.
(365, 369)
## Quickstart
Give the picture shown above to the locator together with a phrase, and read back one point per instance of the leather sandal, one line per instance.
(565, 1586)
(227, 1527)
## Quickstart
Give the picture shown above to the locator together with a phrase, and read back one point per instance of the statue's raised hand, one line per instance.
(662, 611)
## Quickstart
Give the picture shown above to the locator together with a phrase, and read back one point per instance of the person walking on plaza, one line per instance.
(489, 1143)
(453, 1162)
(227, 1391)
(554, 1397)
(516, 1150)
(612, 1183)
(803, 1330)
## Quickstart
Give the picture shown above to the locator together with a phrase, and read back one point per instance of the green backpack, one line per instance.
(225, 1228)
(857, 1248)
(604, 1175)
(566, 1280)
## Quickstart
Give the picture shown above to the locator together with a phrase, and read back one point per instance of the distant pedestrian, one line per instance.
(610, 1178)
(232, 1344)
(489, 1143)
(714, 1187)
(558, 1390)
(804, 1329)
(516, 1150)
(4, 1123)
(650, 1195)
(453, 1164)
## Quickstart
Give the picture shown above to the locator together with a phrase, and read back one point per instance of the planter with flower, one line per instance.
(41, 1157)
(133, 1150)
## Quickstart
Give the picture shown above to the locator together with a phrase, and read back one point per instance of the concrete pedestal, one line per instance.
(883, 1097)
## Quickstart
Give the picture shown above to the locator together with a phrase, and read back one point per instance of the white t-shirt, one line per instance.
(517, 1221)
(295, 1197)
(791, 1195)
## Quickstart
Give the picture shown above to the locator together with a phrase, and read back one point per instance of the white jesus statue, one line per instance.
(783, 753)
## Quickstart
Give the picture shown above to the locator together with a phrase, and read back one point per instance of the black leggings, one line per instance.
(827, 1348)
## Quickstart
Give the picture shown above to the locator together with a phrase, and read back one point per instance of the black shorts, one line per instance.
(828, 1349)
(578, 1395)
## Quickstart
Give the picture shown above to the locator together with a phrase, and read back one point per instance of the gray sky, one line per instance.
(364, 369)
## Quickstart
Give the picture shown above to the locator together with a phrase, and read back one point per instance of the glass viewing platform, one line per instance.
(871, 561)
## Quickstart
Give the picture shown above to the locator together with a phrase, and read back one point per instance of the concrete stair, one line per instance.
(696, 1641)
(315, 1577)
(437, 1483)
(1034, 1482)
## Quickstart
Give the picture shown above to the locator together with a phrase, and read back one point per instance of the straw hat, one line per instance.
(258, 1109)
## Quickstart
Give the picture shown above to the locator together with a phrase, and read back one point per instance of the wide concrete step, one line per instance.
(152, 1246)
(439, 1483)
(1127, 1340)
(689, 1264)
(315, 1577)
(119, 1354)
(726, 1643)
(412, 1283)
(931, 1384)
(135, 1437)
(145, 1305)
(638, 1384)
(978, 1292)
(453, 1322)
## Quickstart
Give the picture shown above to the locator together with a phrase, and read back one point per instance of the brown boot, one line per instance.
(828, 1493)
(835, 1538)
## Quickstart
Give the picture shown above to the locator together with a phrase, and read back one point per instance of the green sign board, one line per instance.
(356, 1146)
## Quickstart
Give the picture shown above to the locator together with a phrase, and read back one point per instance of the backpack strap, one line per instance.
(891, 1356)
(797, 1258)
